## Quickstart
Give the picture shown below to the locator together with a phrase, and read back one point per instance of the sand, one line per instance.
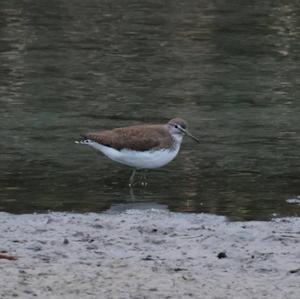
(148, 254)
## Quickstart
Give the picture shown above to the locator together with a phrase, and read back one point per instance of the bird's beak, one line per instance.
(189, 134)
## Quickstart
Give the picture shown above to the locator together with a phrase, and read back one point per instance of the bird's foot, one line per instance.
(140, 183)
(142, 180)
(144, 183)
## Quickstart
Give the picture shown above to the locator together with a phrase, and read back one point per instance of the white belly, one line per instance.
(139, 160)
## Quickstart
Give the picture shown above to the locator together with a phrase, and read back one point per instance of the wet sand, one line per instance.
(148, 254)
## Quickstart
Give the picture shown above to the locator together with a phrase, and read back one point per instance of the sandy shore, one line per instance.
(148, 254)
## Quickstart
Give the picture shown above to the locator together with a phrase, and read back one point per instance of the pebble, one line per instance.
(222, 255)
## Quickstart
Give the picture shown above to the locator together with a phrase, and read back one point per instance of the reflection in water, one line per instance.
(230, 69)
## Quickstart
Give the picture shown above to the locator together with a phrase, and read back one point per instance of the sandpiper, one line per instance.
(141, 146)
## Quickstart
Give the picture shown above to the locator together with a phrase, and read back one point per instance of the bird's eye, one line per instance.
(176, 126)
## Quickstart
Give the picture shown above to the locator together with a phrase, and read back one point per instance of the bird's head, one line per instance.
(178, 128)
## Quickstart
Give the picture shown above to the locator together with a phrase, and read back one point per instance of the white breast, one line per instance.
(139, 160)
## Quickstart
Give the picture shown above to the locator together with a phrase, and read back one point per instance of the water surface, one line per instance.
(230, 69)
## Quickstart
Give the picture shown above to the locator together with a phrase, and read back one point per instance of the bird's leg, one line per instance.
(131, 180)
(141, 179)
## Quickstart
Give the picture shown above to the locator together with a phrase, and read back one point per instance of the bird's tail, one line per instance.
(83, 140)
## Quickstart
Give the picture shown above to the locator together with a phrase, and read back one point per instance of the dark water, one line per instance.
(230, 68)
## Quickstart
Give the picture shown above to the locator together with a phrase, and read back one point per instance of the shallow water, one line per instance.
(231, 70)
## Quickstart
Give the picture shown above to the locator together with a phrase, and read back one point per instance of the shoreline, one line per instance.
(148, 254)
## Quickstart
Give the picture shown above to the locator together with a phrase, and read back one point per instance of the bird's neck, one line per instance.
(177, 139)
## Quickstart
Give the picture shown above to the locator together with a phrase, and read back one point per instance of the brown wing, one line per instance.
(139, 138)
